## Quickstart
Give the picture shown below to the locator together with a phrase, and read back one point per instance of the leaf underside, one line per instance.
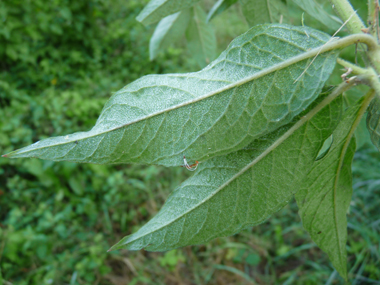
(155, 10)
(373, 122)
(326, 192)
(263, 11)
(244, 94)
(238, 190)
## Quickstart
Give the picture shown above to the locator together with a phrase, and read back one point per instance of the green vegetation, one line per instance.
(59, 64)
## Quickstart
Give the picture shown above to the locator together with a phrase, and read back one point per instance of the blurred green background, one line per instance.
(60, 61)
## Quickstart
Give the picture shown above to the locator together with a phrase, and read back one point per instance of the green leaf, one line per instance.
(169, 30)
(219, 7)
(373, 122)
(363, 138)
(239, 190)
(263, 11)
(155, 10)
(249, 91)
(325, 193)
(314, 9)
(201, 38)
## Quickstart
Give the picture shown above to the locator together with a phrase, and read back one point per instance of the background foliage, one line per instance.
(60, 61)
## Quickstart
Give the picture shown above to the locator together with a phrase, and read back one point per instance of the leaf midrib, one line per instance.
(347, 142)
(278, 142)
(278, 66)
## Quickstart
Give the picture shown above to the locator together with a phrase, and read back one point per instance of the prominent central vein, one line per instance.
(341, 43)
(339, 90)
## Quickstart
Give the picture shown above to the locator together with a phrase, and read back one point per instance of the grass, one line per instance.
(62, 239)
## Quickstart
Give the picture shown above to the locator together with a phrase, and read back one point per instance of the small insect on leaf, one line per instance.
(191, 167)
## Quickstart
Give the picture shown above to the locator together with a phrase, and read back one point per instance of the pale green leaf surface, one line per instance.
(325, 194)
(314, 9)
(155, 10)
(363, 138)
(239, 97)
(373, 122)
(239, 190)
(218, 8)
(169, 30)
(263, 11)
(201, 38)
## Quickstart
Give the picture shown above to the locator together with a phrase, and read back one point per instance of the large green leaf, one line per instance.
(158, 9)
(263, 11)
(373, 122)
(249, 91)
(315, 10)
(239, 190)
(201, 38)
(219, 7)
(325, 193)
(168, 30)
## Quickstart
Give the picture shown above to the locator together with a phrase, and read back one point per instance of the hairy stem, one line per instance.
(345, 11)
(373, 80)
(355, 69)
(373, 18)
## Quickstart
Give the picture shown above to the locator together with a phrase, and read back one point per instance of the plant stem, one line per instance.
(355, 25)
(373, 21)
(355, 69)
(367, 99)
(344, 10)
(373, 80)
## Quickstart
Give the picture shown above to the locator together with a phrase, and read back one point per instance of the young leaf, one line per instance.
(315, 10)
(373, 122)
(263, 11)
(249, 91)
(201, 38)
(325, 194)
(219, 7)
(230, 193)
(158, 9)
(168, 30)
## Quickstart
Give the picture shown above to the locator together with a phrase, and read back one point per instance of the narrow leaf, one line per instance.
(373, 122)
(325, 193)
(263, 11)
(249, 91)
(230, 193)
(219, 7)
(155, 10)
(315, 10)
(201, 38)
(169, 30)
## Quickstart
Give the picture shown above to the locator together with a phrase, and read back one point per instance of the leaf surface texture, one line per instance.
(248, 92)
(326, 192)
(373, 122)
(238, 190)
